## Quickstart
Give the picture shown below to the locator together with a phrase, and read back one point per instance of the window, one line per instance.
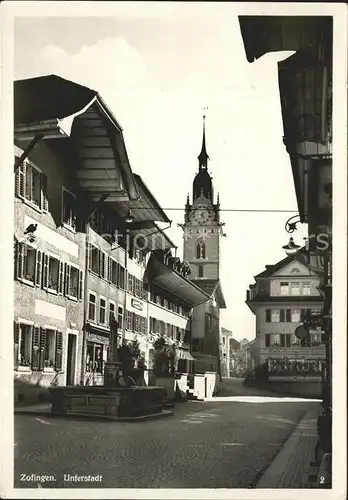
(130, 283)
(284, 288)
(93, 258)
(295, 288)
(200, 250)
(121, 277)
(295, 315)
(224, 340)
(73, 287)
(275, 339)
(282, 316)
(200, 271)
(102, 310)
(103, 265)
(50, 348)
(94, 357)
(31, 185)
(69, 210)
(129, 320)
(275, 315)
(29, 261)
(136, 323)
(294, 340)
(306, 288)
(285, 340)
(120, 317)
(113, 271)
(92, 303)
(268, 315)
(24, 341)
(111, 311)
(53, 273)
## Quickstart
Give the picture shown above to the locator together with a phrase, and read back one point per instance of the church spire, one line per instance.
(203, 156)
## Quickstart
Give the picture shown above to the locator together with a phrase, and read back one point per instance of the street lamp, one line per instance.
(291, 248)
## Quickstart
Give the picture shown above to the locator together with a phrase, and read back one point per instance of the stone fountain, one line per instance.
(113, 400)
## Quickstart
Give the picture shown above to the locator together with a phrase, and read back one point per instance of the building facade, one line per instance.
(87, 245)
(225, 351)
(202, 232)
(282, 298)
(306, 88)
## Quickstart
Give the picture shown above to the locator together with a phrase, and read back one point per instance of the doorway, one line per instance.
(71, 360)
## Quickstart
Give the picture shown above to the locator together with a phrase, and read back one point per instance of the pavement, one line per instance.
(223, 443)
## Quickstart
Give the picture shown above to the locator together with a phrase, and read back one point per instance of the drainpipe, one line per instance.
(33, 143)
(126, 283)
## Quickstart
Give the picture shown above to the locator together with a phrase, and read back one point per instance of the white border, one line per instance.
(40, 9)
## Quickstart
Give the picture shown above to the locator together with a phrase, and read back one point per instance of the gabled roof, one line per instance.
(77, 121)
(300, 257)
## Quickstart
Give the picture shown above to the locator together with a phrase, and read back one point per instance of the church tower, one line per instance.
(202, 227)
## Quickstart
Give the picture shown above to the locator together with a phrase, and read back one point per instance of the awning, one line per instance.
(183, 354)
(89, 135)
(173, 282)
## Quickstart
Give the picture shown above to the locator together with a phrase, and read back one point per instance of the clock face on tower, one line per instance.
(202, 216)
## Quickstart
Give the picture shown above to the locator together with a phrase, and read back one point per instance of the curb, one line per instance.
(274, 476)
(88, 416)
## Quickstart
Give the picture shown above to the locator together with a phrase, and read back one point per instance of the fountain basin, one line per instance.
(121, 402)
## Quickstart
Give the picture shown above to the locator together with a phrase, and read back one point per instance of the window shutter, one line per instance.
(282, 315)
(66, 279)
(101, 263)
(88, 256)
(268, 315)
(267, 340)
(61, 278)
(16, 327)
(302, 314)
(80, 292)
(106, 266)
(282, 340)
(19, 259)
(38, 273)
(45, 271)
(43, 338)
(59, 351)
(35, 349)
(44, 199)
(20, 180)
(288, 315)
(109, 269)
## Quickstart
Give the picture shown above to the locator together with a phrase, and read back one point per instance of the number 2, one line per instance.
(322, 479)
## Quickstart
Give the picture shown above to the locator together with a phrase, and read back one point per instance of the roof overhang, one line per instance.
(220, 299)
(100, 161)
(152, 238)
(263, 34)
(170, 280)
(146, 208)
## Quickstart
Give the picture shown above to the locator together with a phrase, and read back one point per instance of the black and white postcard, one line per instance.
(173, 250)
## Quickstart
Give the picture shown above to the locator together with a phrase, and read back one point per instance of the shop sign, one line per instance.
(137, 304)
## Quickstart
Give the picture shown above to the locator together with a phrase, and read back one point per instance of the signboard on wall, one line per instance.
(137, 304)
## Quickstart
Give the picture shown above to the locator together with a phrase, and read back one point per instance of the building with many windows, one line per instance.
(281, 298)
(88, 246)
(226, 347)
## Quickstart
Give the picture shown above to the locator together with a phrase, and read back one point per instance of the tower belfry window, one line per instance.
(200, 250)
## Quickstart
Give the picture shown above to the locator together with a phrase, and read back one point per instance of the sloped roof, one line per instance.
(300, 257)
(48, 97)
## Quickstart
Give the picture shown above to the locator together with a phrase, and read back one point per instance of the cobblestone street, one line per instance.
(218, 444)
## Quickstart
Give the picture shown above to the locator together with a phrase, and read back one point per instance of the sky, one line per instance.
(159, 70)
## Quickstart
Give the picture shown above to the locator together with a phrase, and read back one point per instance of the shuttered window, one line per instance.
(22, 344)
(35, 359)
(69, 210)
(59, 351)
(31, 185)
(120, 317)
(268, 315)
